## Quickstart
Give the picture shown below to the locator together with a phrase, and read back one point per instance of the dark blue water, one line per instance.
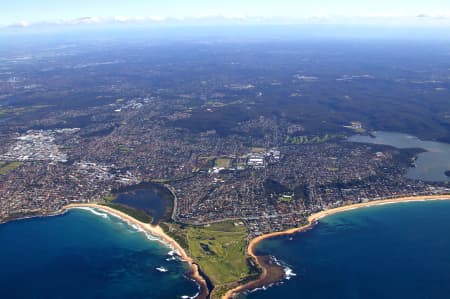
(150, 200)
(429, 166)
(7, 102)
(391, 251)
(82, 255)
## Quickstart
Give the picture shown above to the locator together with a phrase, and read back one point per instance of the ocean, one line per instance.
(389, 251)
(87, 254)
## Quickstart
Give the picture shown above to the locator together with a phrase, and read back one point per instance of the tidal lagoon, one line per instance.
(431, 165)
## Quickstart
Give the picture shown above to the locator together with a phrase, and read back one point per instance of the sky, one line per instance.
(32, 11)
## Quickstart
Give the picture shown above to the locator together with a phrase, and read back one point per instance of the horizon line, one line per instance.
(422, 19)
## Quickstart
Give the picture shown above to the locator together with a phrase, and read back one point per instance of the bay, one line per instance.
(86, 254)
(389, 251)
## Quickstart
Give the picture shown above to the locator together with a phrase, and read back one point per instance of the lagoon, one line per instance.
(430, 165)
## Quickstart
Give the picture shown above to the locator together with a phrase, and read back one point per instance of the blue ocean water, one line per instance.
(84, 255)
(390, 251)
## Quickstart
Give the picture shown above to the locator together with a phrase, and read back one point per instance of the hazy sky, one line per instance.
(13, 11)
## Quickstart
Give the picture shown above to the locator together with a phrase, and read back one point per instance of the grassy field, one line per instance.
(219, 249)
(110, 197)
(222, 163)
(309, 139)
(5, 167)
(177, 232)
(259, 150)
(124, 149)
(286, 198)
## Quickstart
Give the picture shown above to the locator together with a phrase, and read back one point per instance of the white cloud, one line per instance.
(440, 15)
(87, 21)
(388, 18)
(21, 24)
(135, 20)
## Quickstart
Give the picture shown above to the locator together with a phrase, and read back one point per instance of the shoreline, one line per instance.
(268, 272)
(312, 220)
(157, 232)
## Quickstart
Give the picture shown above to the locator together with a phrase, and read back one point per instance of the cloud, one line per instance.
(91, 21)
(386, 19)
(87, 21)
(84, 20)
(21, 24)
(434, 15)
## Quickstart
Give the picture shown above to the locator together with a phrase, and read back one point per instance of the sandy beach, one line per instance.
(157, 232)
(312, 219)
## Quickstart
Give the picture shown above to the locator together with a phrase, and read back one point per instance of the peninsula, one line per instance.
(269, 273)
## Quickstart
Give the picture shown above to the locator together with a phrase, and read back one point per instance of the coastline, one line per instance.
(270, 273)
(157, 232)
(312, 219)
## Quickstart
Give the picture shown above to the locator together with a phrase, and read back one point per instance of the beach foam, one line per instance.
(94, 211)
(190, 297)
(148, 235)
(288, 272)
(173, 256)
(174, 252)
(263, 288)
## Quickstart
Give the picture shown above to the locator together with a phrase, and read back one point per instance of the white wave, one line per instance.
(94, 211)
(151, 237)
(162, 269)
(199, 288)
(148, 235)
(135, 227)
(195, 296)
(174, 255)
(288, 273)
(263, 288)
(190, 297)
(383, 204)
(139, 229)
(276, 261)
